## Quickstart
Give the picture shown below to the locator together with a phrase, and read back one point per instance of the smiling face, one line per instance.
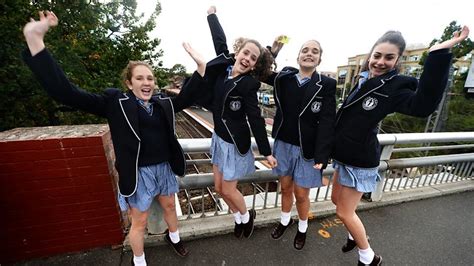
(142, 82)
(310, 55)
(383, 58)
(246, 58)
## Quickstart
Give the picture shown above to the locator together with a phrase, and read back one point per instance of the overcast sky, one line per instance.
(343, 27)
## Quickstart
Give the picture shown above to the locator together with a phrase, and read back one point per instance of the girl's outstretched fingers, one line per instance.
(458, 37)
(197, 57)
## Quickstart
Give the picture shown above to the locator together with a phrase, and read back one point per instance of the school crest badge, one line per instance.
(369, 103)
(235, 105)
(316, 107)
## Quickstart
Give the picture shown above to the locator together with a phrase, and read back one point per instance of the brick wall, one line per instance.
(57, 191)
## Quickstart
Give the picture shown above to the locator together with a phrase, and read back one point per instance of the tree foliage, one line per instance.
(93, 43)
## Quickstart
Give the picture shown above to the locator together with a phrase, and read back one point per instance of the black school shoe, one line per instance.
(238, 230)
(248, 227)
(280, 229)
(350, 245)
(178, 247)
(375, 262)
(299, 241)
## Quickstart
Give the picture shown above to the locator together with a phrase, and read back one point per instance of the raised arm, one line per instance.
(49, 73)
(423, 98)
(218, 35)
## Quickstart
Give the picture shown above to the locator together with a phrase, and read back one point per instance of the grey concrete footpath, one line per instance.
(434, 231)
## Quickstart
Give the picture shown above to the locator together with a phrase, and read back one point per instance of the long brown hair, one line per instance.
(392, 37)
(263, 67)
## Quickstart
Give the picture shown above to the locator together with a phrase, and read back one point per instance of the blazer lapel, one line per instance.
(129, 108)
(370, 86)
(312, 90)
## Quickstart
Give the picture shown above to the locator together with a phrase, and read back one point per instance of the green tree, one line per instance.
(93, 43)
(177, 69)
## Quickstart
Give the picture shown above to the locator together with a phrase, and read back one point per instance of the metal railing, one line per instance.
(262, 190)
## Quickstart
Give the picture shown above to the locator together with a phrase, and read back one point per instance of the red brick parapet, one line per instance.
(58, 191)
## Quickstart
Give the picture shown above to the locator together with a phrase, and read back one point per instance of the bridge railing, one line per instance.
(415, 170)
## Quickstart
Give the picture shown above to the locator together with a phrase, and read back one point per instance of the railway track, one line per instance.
(205, 200)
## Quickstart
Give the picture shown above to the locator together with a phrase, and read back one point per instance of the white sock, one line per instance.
(139, 260)
(366, 256)
(349, 236)
(237, 218)
(245, 217)
(303, 225)
(174, 236)
(285, 218)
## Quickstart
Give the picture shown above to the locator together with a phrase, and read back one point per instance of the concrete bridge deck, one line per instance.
(432, 231)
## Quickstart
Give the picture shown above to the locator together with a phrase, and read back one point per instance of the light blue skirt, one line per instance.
(291, 163)
(153, 180)
(362, 179)
(228, 160)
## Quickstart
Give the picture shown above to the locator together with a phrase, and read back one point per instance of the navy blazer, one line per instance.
(317, 114)
(234, 103)
(121, 111)
(356, 140)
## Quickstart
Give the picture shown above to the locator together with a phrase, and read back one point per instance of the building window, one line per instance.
(415, 57)
(341, 77)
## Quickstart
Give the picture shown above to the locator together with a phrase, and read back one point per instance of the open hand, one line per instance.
(35, 30)
(458, 37)
(197, 57)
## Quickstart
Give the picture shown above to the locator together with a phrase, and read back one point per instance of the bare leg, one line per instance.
(169, 211)
(302, 201)
(336, 187)
(345, 209)
(137, 230)
(218, 180)
(230, 191)
(286, 184)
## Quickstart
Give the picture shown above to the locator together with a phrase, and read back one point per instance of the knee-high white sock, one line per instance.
(285, 218)
(366, 256)
(174, 236)
(139, 260)
(303, 225)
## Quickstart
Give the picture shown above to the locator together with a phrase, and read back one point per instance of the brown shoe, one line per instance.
(248, 227)
(299, 241)
(280, 229)
(375, 262)
(177, 247)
